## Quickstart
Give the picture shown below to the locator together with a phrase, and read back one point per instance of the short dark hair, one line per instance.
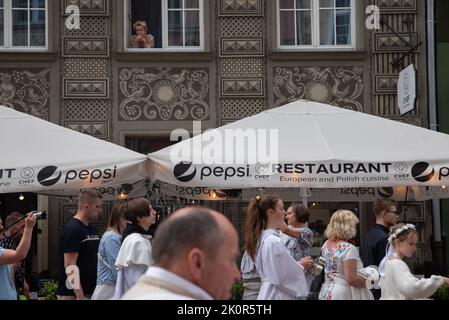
(136, 208)
(382, 205)
(88, 196)
(301, 213)
(198, 228)
(12, 218)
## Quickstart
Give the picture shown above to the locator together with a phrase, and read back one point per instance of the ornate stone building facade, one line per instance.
(90, 82)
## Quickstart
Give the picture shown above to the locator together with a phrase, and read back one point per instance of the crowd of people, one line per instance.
(194, 253)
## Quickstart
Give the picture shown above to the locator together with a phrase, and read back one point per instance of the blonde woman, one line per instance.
(341, 281)
(397, 282)
(142, 39)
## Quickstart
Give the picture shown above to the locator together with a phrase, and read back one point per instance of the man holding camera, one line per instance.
(78, 248)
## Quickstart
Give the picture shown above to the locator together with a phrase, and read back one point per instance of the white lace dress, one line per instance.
(400, 284)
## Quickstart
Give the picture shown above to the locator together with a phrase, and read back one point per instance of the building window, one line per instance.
(166, 24)
(316, 24)
(23, 24)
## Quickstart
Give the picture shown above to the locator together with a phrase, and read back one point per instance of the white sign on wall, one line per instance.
(407, 89)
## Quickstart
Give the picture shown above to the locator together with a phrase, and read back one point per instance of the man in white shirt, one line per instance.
(195, 252)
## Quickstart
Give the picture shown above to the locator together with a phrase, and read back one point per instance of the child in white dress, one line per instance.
(397, 282)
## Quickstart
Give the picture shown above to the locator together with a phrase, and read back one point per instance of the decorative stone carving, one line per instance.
(86, 68)
(397, 5)
(86, 110)
(76, 47)
(90, 27)
(241, 7)
(242, 67)
(26, 90)
(242, 27)
(241, 108)
(241, 47)
(82, 89)
(386, 84)
(90, 7)
(339, 86)
(242, 87)
(164, 94)
(95, 129)
(387, 42)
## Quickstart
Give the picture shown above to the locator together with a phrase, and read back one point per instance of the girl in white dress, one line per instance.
(397, 282)
(282, 277)
(341, 279)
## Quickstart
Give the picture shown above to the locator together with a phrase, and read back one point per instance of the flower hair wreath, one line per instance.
(397, 232)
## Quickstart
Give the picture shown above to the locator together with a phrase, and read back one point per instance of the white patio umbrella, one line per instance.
(42, 157)
(317, 145)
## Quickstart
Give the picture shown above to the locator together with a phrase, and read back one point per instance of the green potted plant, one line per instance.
(49, 290)
(237, 291)
(441, 294)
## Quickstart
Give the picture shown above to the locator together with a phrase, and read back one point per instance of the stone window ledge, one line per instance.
(165, 57)
(28, 56)
(318, 55)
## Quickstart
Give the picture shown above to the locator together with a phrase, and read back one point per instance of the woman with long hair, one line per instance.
(282, 277)
(107, 254)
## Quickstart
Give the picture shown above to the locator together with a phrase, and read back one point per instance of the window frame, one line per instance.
(165, 48)
(315, 30)
(8, 30)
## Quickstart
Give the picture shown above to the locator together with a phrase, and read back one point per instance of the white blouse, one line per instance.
(400, 284)
(282, 277)
(133, 260)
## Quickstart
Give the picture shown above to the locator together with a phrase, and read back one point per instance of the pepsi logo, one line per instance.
(423, 172)
(49, 176)
(184, 171)
(385, 192)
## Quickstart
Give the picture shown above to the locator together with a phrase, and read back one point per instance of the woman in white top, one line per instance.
(341, 280)
(282, 277)
(397, 282)
(250, 278)
(135, 255)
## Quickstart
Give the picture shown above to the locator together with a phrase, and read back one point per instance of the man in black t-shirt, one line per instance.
(374, 246)
(78, 248)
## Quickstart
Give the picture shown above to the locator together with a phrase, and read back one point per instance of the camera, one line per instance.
(317, 266)
(40, 215)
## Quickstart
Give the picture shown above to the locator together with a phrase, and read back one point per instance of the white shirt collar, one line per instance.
(272, 231)
(178, 281)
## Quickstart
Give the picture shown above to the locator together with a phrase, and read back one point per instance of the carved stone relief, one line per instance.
(241, 71)
(163, 94)
(91, 7)
(97, 47)
(243, 7)
(387, 47)
(397, 5)
(339, 86)
(26, 90)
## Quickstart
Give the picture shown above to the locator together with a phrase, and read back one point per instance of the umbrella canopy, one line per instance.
(307, 144)
(39, 156)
